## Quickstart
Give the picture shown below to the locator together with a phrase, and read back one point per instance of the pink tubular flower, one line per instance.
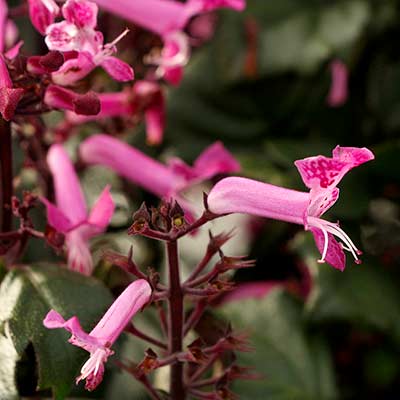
(99, 341)
(63, 99)
(77, 36)
(144, 96)
(70, 216)
(339, 86)
(168, 19)
(165, 181)
(321, 175)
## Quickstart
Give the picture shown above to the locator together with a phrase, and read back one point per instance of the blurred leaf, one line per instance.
(294, 364)
(26, 295)
(361, 294)
(309, 37)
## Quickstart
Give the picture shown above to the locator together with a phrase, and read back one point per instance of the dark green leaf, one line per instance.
(294, 365)
(26, 295)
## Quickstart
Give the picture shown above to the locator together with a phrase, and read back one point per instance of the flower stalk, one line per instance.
(6, 175)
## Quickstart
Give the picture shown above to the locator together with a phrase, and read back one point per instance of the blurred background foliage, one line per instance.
(260, 85)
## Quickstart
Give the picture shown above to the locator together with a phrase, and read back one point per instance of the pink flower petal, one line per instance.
(69, 195)
(117, 69)
(324, 172)
(81, 13)
(339, 87)
(321, 201)
(354, 156)
(62, 36)
(3, 22)
(42, 13)
(64, 99)
(155, 121)
(250, 290)
(9, 99)
(215, 159)
(131, 300)
(14, 51)
(210, 5)
(103, 210)
(78, 252)
(74, 69)
(335, 255)
(54, 320)
(159, 16)
(56, 218)
(172, 75)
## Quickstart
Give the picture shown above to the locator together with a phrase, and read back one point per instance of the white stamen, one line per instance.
(334, 229)
(93, 364)
(118, 38)
(109, 48)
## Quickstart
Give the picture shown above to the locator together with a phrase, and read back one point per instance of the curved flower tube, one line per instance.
(69, 216)
(99, 341)
(321, 175)
(165, 181)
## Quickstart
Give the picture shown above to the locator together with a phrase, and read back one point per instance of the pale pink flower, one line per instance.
(338, 92)
(167, 18)
(321, 175)
(70, 216)
(77, 37)
(165, 181)
(99, 341)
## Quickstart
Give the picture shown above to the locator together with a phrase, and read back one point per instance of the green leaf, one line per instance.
(26, 295)
(294, 365)
(361, 294)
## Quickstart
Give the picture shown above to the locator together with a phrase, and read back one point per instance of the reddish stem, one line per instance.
(6, 175)
(175, 331)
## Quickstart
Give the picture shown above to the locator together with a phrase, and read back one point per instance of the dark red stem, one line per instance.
(6, 175)
(176, 318)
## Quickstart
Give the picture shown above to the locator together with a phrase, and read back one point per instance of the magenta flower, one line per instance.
(144, 96)
(165, 181)
(321, 175)
(70, 215)
(60, 98)
(9, 96)
(99, 341)
(168, 19)
(42, 13)
(76, 36)
(338, 92)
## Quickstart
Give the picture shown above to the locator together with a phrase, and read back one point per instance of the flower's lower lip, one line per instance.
(334, 229)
